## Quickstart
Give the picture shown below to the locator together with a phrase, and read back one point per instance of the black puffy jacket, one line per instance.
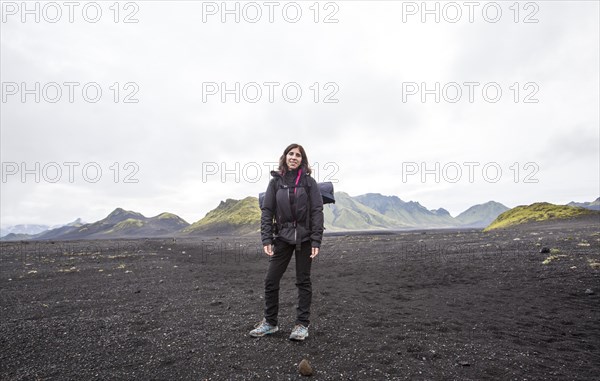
(297, 221)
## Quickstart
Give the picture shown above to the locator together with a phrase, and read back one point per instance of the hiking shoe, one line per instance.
(263, 328)
(299, 333)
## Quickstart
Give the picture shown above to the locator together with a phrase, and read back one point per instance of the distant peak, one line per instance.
(440, 212)
(76, 222)
(122, 213)
(379, 195)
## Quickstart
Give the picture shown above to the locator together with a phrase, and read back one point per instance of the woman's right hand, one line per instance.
(268, 249)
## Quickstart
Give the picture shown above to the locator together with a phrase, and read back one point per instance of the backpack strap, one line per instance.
(308, 222)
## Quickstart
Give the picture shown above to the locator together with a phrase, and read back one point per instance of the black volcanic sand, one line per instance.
(413, 305)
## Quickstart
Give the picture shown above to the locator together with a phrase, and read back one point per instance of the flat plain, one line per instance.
(413, 305)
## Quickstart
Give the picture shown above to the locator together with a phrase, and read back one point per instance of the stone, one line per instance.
(305, 368)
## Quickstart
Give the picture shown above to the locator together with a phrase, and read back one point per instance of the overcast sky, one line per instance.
(369, 73)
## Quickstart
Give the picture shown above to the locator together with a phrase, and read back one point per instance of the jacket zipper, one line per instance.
(295, 224)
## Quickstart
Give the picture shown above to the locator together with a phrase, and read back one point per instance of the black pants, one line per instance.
(277, 265)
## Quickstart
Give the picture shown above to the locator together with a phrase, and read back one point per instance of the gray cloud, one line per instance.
(171, 133)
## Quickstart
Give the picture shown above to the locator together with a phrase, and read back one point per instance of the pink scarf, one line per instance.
(298, 179)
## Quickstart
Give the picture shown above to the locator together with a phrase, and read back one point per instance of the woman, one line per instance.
(293, 199)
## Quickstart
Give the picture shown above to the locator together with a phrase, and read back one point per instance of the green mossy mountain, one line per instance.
(537, 212)
(230, 217)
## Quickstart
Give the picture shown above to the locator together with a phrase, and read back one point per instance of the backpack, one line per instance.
(325, 188)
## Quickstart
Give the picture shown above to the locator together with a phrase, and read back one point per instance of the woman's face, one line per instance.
(293, 159)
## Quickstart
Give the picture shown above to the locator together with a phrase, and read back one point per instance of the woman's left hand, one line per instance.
(315, 252)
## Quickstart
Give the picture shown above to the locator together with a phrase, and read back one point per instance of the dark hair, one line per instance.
(303, 165)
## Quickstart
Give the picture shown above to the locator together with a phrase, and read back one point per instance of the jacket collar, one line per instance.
(279, 175)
